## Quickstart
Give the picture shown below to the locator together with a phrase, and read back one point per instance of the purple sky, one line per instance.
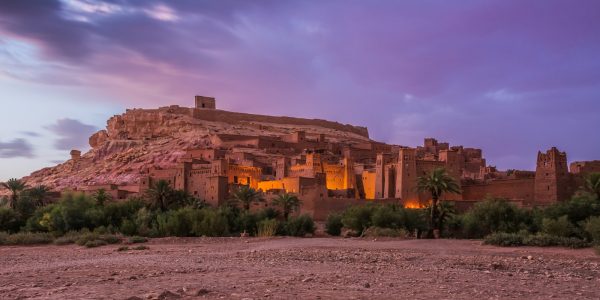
(510, 77)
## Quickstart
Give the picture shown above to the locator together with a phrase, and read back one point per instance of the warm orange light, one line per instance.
(413, 204)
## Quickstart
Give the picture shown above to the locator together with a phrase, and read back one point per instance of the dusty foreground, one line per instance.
(289, 268)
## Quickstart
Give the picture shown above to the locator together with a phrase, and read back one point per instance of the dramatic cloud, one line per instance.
(30, 133)
(72, 134)
(16, 148)
(487, 73)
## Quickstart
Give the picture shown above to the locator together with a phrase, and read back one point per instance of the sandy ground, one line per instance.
(293, 268)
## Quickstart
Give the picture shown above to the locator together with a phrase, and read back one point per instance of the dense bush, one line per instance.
(9, 221)
(358, 218)
(388, 216)
(75, 214)
(333, 225)
(592, 227)
(375, 231)
(299, 226)
(494, 215)
(578, 209)
(558, 227)
(540, 240)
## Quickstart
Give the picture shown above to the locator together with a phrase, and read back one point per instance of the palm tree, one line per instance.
(160, 195)
(246, 195)
(15, 186)
(101, 196)
(38, 194)
(288, 203)
(437, 183)
(592, 184)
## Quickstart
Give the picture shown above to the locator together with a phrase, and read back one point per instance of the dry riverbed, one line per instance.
(294, 268)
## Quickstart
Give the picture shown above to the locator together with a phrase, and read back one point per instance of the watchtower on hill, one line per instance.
(203, 102)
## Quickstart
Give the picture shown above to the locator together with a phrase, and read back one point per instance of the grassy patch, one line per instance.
(136, 239)
(140, 247)
(95, 243)
(85, 238)
(375, 231)
(25, 238)
(538, 240)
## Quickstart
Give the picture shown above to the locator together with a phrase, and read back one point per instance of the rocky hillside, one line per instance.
(140, 138)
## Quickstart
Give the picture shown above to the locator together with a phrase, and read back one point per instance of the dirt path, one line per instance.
(291, 268)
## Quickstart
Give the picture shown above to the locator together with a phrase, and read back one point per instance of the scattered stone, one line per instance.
(167, 295)
(202, 292)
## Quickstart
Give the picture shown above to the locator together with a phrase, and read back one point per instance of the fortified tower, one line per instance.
(551, 177)
(205, 102)
(379, 176)
(406, 175)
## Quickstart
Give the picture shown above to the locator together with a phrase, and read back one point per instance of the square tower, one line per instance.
(551, 177)
(205, 102)
(406, 175)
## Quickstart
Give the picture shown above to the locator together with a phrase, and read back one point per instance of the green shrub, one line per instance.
(64, 241)
(333, 225)
(388, 216)
(24, 207)
(140, 247)
(558, 227)
(592, 227)
(416, 219)
(214, 222)
(117, 212)
(87, 236)
(73, 212)
(546, 240)
(95, 243)
(123, 248)
(385, 232)
(538, 240)
(137, 239)
(9, 221)
(267, 213)
(504, 239)
(143, 220)
(494, 215)
(70, 237)
(248, 222)
(299, 226)
(358, 218)
(128, 227)
(267, 228)
(25, 238)
(577, 209)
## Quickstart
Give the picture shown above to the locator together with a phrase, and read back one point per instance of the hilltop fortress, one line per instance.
(208, 152)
